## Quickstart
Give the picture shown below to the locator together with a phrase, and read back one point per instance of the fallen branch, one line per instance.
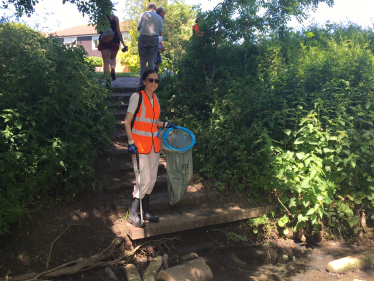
(71, 267)
(132, 273)
(58, 237)
(288, 212)
(81, 264)
(152, 269)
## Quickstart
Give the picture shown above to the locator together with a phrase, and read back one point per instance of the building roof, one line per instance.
(85, 30)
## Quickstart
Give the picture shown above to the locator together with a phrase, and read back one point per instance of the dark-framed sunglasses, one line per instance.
(151, 80)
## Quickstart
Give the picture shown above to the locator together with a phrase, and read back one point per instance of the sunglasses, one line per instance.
(151, 80)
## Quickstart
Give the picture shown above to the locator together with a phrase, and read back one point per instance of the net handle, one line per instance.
(166, 134)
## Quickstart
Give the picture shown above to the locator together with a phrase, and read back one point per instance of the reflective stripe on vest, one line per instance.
(144, 131)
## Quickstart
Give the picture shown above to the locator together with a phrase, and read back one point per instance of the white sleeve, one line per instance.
(160, 39)
(133, 103)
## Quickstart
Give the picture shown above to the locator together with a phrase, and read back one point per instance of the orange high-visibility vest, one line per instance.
(195, 27)
(144, 131)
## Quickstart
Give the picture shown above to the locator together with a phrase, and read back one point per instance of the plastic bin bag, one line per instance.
(179, 163)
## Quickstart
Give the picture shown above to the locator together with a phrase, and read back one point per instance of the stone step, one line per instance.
(194, 218)
(160, 200)
(119, 105)
(121, 89)
(119, 134)
(128, 182)
(124, 97)
(120, 124)
(117, 157)
(120, 114)
(126, 166)
(117, 148)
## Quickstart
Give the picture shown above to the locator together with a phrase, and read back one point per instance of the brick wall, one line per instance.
(86, 42)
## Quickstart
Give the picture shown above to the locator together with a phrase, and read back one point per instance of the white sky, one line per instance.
(52, 15)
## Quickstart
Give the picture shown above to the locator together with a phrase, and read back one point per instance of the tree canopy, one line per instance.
(95, 9)
(244, 13)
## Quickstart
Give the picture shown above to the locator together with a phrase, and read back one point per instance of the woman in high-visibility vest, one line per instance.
(141, 126)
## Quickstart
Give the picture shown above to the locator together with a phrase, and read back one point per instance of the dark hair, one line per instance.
(144, 76)
(159, 10)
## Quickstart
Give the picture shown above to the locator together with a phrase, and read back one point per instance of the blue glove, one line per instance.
(133, 149)
(170, 125)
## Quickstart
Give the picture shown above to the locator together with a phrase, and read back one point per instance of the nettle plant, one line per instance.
(293, 127)
(54, 120)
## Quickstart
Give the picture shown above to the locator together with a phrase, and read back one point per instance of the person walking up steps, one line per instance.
(141, 126)
(150, 26)
(161, 47)
(109, 46)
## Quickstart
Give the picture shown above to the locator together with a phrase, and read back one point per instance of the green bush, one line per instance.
(94, 61)
(293, 124)
(53, 119)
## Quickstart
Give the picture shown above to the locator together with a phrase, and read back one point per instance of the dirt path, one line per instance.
(92, 216)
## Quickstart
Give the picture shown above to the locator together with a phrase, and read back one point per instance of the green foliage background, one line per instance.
(53, 119)
(94, 61)
(285, 117)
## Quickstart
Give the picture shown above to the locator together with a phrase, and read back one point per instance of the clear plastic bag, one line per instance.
(177, 145)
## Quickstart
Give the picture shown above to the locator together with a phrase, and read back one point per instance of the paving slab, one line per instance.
(195, 219)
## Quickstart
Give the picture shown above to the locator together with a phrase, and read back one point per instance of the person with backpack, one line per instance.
(109, 45)
(141, 126)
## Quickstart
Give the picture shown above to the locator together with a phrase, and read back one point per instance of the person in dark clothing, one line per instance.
(110, 49)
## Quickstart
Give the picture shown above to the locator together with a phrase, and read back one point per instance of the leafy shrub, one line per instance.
(94, 61)
(131, 57)
(53, 119)
(293, 124)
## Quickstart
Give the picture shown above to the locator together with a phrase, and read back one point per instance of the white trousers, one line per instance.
(148, 167)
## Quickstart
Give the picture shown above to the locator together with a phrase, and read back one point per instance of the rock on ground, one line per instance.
(194, 270)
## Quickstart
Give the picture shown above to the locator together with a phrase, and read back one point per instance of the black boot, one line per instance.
(134, 217)
(147, 215)
(113, 74)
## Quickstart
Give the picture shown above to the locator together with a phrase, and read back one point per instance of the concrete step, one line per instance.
(160, 200)
(128, 181)
(194, 218)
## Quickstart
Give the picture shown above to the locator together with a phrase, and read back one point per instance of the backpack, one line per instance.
(137, 109)
(107, 36)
